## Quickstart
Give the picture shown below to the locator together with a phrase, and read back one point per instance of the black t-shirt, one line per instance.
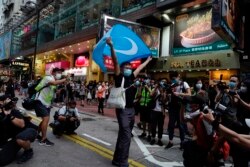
(130, 92)
(9, 129)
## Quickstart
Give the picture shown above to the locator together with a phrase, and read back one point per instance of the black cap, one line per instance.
(57, 69)
(4, 97)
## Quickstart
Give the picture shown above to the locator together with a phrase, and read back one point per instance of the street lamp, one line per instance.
(36, 35)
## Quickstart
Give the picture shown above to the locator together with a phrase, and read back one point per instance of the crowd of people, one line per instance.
(214, 116)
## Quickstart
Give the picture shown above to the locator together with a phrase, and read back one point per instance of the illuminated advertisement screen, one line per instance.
(193, 34)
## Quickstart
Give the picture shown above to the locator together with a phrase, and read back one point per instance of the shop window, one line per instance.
(132, 5)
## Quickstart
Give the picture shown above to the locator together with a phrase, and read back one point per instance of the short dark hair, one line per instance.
(72, 102)
(173, 74)
(124, 64)
(57, 69)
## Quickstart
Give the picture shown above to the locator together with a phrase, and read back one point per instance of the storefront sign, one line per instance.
(226, 20)
(60, 64)
(150, 35)
(193, 34)
(110, 65)
(5, 44)
(20, 64)
(77, 71)
(196, 64)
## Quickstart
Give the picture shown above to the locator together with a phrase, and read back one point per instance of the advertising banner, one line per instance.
(193, 34)
(227, 22)
(5, 43)
(150, 35)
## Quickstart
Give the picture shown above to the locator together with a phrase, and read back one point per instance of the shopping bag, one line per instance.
(117, 98)
(89, 95)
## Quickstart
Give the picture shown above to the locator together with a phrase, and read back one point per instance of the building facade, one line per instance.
(68, 29)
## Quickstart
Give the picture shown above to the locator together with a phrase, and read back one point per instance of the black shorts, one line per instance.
(41, 110)
(145, 114)
(28, 134)
(82, 97)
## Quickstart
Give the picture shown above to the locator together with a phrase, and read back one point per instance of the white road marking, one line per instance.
(150, 157)
(147, 145)
(98, 140)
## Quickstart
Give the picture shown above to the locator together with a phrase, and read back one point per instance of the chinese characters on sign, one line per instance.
(197, 64)
(110, 65)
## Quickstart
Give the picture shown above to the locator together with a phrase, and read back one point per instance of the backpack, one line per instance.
(31, 90)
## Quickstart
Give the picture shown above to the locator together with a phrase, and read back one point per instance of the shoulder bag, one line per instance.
(117, 98)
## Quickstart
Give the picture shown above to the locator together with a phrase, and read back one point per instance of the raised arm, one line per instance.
(143, 65)
(113, 56)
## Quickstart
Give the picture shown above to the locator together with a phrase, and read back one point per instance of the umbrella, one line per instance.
(127, 45)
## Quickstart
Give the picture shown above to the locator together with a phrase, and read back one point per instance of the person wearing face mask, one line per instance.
(226, 98)
(43, 101)
(230, 118)
(145, 112)
(67, 120)
(125, 116)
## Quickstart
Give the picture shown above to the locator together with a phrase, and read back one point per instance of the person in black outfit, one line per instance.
(16, 132)
(125, 117)
(10, 88)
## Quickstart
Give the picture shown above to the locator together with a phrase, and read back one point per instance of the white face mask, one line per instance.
(243, 89)
(58, 76)
(198, 86)
(71, 109)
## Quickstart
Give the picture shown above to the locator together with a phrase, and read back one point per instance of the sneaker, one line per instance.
(149, 138)
(46, 142)
(169, 145)
(159, 142)
(27, 154)
(52, 125)
(39, 137)
(152, 142)
(142, 135)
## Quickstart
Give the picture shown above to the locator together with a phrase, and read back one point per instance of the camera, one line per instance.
(222, 85)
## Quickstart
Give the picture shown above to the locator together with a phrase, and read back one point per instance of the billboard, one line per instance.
(5, 44)
(226, 21)
(150, 35)
(193, 34)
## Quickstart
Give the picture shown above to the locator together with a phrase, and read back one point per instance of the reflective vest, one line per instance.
(145, 97)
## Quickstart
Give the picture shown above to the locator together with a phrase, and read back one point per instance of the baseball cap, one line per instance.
(57, 69)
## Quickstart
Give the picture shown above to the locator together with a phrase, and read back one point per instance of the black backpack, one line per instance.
(31, 90)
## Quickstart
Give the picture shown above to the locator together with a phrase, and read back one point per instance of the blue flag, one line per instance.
(127, 45)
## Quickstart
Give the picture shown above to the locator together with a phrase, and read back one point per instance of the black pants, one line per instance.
(174, 117)
(62, 126)
(157, 121)
(8, 152)
(100, 105)
(126, 120)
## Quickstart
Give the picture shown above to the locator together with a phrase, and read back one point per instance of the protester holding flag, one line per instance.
(125, 116)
